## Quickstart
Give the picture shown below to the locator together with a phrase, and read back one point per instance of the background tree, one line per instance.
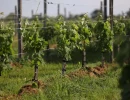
(95, 13)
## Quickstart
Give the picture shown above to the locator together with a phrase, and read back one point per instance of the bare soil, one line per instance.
(29, 89)
(92, 72)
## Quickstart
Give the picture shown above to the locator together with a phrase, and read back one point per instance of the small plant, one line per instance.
(85, 34)
(34, 85)
(33, 44)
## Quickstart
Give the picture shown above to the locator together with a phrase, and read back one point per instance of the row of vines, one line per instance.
(69, 35)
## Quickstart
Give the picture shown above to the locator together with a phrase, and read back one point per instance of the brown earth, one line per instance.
(15, 64)
(78, 73)
(26, 89)
(53, 46)
(92, 72)
(10, 97)
(29, 89)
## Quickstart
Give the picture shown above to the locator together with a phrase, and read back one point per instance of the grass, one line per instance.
(60, 87)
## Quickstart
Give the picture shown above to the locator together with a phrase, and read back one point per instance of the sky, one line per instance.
(74, 7)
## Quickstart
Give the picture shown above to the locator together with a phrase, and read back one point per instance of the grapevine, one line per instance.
(6, 39)
(119, 31)
(104, 36)
(85, 32)
(33, 44)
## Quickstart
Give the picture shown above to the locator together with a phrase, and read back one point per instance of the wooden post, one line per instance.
(63, 67)
(101, 8)
(45, 12)
(32, 13)
(111, 22)
(45, 17)
(84, 56)
(129, 12)
(70, 15)
(105, 18)
(111, 13)
(129, 51)
(58, 9)
(105, 10)
(35, 78)
(19, 31)
(15, 20)
(65, 13)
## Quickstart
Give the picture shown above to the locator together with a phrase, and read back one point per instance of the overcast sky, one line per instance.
(81, 6)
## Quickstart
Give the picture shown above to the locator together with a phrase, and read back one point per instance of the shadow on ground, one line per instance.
(124, 83)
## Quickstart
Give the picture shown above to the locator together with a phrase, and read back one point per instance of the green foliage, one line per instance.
(121, 28)
(124, 55)
(33, 43)
(118, 28)
(49, 32)
(119, 31)
(6, 39)
(63, 41)
(72, 35)
(85, 32)
(34, 85)
(127, 25)
(104, 35)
